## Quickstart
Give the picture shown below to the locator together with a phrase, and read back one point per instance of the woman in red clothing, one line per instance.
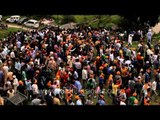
(139, 62)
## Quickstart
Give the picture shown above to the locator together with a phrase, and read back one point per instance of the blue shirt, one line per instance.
(78, 85)
(1, 75)
(101, 102)
(28, 85)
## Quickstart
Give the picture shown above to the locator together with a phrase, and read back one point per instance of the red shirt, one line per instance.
(128, 92)
(138, 57)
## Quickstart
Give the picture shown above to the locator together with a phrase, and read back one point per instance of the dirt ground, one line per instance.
(156, 28)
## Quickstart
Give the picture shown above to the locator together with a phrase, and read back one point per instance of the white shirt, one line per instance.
(15, 82)
(78, 65)
(4, 54)
(57, 91)
(36, 101)
(145, 90)
(23, 48)
(18, 66)
(79, 102)
(120, 59)
(101, 52)
(75, 75)
(134, 53)
(35, 89)
(128, 62)
(12, 54)
(154, 85)
(84, 74)
(111, 57)
(149, 52)
(122, 103)
(130, 38)
(155, 57)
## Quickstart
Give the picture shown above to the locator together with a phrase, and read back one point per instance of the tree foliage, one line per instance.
(108, 21)
(67, 19)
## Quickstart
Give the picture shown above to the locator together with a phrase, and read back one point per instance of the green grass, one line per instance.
(8, 31)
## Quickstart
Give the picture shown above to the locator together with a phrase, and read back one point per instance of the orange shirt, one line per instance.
(110, 78)
(124, 72)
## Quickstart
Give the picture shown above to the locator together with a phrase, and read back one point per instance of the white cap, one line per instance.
(139, 77)
(147, 61)
(14, 76)
(51, 53)
(51, 58)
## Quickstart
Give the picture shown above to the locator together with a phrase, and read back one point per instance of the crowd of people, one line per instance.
(83, 66)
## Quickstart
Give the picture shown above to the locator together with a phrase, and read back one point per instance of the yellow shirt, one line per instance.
(114, 89)
(120, 52)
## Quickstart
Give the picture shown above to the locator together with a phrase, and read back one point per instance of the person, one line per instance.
(36, 100)
(101, 100)
(147, 76)
(149, 37)
(1, 101)
(56, 100)
(57, 90)
(29, 91)
(21, 87)
(130, 37)
(84, 76)
(11, 93)
(70, 102)
(43, 103)
(122, 102)
(89, 100)
(136, 102)
(78, 100)
(35, 87)
(2, 81)
(78, 85)
(48, 98)
(153, 89)
(138, 86)
(15, 83)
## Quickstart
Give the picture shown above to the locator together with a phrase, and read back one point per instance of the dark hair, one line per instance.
(42, 101)
(97, 104)
(70, 101)
(57, 95)
(34, 96)
(69, 94)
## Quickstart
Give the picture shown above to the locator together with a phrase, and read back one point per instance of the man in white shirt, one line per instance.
(84, 76)
(35, 88)
(57, 90)
(122, 103)
(78, 100)
(153, 87)
(130, 37)
(12, 54)
(15, 83)
(111, 56)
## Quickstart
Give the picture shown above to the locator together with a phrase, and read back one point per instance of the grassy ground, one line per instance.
(6, 32)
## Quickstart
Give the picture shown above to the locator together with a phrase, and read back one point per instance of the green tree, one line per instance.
(67, 19)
